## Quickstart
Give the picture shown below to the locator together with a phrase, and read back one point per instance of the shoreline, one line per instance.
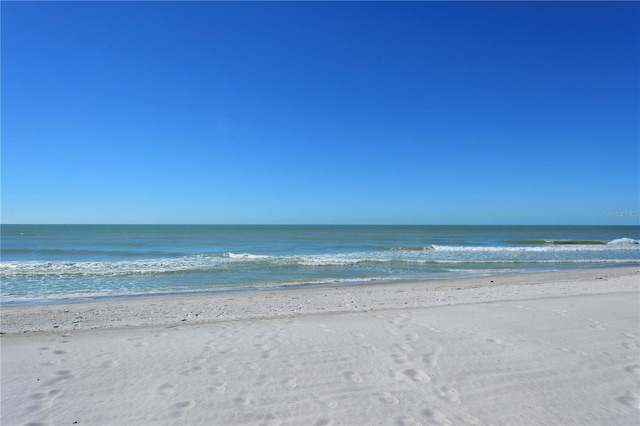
(224, 290)
(164, 310)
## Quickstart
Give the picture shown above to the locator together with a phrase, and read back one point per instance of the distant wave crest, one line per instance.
(412, 248)
(624, 241)
(576, 242)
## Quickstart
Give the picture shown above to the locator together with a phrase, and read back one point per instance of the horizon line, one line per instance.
(320, 224)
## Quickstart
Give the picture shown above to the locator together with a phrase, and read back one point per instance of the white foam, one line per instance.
(623, 241)
(246, 256)
(617, 251)
(550, 248)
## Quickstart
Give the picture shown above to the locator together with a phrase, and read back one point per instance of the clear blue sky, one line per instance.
(321, 112)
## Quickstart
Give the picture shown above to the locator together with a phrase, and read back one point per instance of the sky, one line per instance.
(320, 112)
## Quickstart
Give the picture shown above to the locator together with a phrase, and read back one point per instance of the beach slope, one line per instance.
(552, 348)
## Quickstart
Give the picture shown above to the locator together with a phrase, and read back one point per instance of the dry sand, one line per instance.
(558, 348)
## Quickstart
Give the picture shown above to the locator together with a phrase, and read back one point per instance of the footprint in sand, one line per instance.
(180, 408)
(271, 420)
(216, 369)
(630, 336)
(406, 421)
(633, 369)
(43, 400)
(229, 350)
(62, 376)
(449, 394)
(184, 405)
(595, 324)
(411, 337)
(201, 359)
(367, 345)
(404, 347)
(431, 358)
(109, 364)
(400, 358)
(166, 389)
(220, 387)
(470, 420)
(629, 399)
(354, 376)
(387, 398)
(412, 375)
(269, 353)
(243, 399)
(265, 351)
(630, 345)
(327, 402)
(435, 416)
(289, 383)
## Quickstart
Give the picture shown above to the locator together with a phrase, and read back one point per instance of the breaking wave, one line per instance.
(623, 250)
(623, 241)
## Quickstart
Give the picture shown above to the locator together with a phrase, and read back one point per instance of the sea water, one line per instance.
(56, 263)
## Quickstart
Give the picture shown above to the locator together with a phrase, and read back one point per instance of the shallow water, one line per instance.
(42, 263)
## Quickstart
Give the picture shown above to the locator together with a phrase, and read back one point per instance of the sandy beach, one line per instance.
(556, 348)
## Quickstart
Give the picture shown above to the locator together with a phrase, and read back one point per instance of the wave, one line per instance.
(233, 262)
(575, 242)
(551, 248)
(559, 242)
(624, 241)
(411, 248)
(246, 256)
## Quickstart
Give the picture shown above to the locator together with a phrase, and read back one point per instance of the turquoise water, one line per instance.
(49, 263)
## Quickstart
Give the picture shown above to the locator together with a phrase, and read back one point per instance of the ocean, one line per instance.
(69, 263)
